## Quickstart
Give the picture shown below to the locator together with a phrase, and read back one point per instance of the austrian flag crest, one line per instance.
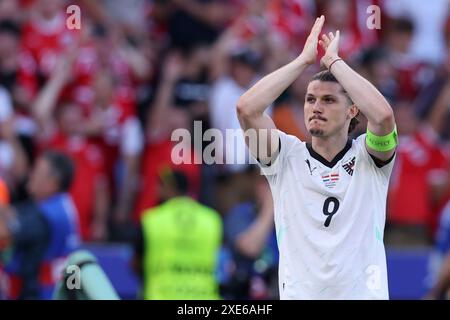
(330, 180)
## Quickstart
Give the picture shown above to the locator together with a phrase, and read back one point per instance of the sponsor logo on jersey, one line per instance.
(309, 166)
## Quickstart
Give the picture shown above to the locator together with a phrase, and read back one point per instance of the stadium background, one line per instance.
(161, 64)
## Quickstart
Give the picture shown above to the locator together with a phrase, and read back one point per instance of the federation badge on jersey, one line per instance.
(349, 166)
(330, 180)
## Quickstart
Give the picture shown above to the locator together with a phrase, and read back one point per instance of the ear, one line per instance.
(353, 112)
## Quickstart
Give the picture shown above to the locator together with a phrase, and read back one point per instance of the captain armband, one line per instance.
(382, 143)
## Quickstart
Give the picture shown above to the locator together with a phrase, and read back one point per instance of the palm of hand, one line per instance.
(330, 43)
(310, 49)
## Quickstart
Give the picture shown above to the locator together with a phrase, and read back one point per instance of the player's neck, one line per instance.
(329, 147)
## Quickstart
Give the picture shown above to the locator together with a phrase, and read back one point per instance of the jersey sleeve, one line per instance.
(286, 144)
(385, 168)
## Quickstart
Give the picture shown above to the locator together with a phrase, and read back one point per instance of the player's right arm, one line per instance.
(253, 103)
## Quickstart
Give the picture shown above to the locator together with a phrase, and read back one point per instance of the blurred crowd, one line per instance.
(109, 96)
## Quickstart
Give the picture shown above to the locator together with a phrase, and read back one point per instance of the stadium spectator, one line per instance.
(377, 65)
(428, 41)
(45, 35)
(433, 105)
(420, 164)
(13, 160)
(250, 236)
(18, 77)
(289, 21)
(410, 73)
(225, 93)
(17, 67)
(65, 132)
(197, 22)
(163, 118)
(439, 263)
(232, 153)
(113, 126)
(43, 231)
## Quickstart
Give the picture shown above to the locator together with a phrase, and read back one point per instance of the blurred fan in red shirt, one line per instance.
(45, 34)
(421, 167)
(62, 128)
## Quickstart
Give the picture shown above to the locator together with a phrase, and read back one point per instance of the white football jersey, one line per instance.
(329, 219)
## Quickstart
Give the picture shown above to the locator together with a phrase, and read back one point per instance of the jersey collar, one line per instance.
(332, 163)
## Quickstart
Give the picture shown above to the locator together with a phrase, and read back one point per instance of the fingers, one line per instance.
(322, 44)
(325, 40)
(317, 27)
(319, 22)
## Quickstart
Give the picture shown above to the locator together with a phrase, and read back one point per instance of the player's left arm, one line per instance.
(381, 136)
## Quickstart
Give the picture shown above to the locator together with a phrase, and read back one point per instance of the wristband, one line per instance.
(329, 68)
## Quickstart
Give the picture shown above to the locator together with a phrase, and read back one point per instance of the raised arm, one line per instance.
(254, 102)
(366, 97)
(44, 106)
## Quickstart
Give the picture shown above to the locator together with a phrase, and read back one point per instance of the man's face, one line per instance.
(327, 109)
(243, 74)
(41, 183)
